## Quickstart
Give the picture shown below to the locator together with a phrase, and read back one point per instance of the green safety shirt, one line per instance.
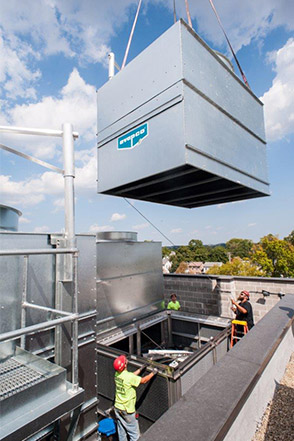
(174, 305)
(125, 390)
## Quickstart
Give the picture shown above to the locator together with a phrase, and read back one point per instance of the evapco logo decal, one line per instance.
(132, 138)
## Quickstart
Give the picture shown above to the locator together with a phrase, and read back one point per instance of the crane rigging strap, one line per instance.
(141, 214)
(131, 36)
(188, 14)
(228, 41)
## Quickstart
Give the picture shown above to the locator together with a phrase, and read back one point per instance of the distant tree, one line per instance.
(166, 251)
(237, 267)
(290, 238)
(274, 256)
(217, 254)
(195, 243)
(182, 268)
(239, 247)
(199, 252)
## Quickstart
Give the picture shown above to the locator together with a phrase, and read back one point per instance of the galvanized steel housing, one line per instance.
(178, 127)
(9, 217)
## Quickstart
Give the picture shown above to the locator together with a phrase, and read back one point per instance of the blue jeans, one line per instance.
(127, 425)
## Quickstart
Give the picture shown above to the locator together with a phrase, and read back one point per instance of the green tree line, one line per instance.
(270, 257)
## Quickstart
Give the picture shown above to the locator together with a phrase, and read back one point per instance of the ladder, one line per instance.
(234, 336)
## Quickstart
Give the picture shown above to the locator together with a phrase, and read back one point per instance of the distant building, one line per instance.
(166, 263)
(195, 267)
(208, 265)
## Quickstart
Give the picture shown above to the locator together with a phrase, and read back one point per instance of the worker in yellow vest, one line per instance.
(125, 398)
(174, 303)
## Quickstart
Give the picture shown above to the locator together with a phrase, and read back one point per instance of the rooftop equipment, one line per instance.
(129, 278)
(178, 127)
(203, 340)
(9, 218)
(33, 394)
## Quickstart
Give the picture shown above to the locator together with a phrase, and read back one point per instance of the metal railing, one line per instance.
(69, 248)
(52, 323)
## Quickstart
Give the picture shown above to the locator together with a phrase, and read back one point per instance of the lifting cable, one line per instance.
(131, 35)
(228, 41)
(149, 222)
(175, 13)
(188, 14)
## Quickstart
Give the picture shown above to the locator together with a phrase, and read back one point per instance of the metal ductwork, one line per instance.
(9, 218)
(117, 236)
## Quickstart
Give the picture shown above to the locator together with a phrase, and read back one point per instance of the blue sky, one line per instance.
(53, 58)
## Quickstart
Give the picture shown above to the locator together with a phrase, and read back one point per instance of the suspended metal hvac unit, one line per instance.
(178, 127)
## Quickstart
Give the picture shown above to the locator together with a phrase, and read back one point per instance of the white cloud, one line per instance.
(76, 104)
(176, 230)
(43, 229)
(84, 29)
(76, 29)
(95, 228)
(58, 204)
(24, 220)
(16, 74)
(252, 224)
(278, 100)
(254, 19)
(140, 226)
(117, 217)
(31, 191)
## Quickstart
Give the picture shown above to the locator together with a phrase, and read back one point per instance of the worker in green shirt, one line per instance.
(174, 303)
(125, 398)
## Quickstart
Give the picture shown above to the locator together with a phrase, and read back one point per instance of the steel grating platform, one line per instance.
(33, 394)
(16, 377)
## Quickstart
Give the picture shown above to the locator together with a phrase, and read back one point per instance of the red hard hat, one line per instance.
(120, 363)
(246, 294)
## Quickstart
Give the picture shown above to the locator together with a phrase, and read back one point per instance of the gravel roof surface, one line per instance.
(278, 420)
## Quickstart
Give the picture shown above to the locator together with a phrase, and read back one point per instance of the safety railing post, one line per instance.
(24, 298)
(75, 361)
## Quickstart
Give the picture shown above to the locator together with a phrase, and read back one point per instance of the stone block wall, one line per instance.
(210, 295)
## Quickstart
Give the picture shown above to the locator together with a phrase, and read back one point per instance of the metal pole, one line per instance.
(69, 175)
(131, 344)
(45, 308)
(31, 131)
(24, 299)
(75, 333)
(139, 342)
(36, 251)
(11, 335)
(31, 158)
(169, 329)
(110, 65)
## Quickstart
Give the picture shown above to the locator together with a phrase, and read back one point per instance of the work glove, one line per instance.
(155, 371)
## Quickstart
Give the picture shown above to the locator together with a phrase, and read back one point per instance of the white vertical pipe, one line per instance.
(75, 329)
(24, 299)
(69, 175)
(110, 65)
(69, 197)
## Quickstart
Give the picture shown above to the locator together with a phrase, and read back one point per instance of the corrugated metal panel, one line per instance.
(129, 281)
(206, 141)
